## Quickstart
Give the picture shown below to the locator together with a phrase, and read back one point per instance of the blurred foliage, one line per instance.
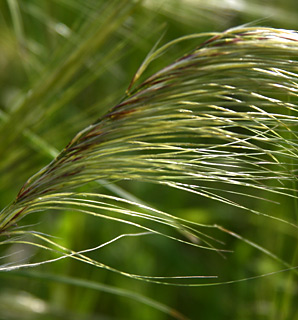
(63, 64)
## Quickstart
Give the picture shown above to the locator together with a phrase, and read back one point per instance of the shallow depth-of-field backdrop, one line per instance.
(63, 65)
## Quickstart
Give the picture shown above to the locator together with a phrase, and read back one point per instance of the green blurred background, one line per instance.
(36, 38)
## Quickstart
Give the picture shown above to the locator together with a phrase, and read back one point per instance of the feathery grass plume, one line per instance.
(219, 121)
